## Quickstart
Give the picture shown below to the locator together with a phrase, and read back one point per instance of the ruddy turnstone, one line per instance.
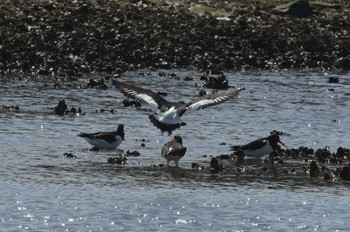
(260, 147)
(174, 150)
(169, 113)
(105, 140)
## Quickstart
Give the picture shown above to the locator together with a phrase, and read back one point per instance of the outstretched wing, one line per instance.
(141, 95)
(211, 100)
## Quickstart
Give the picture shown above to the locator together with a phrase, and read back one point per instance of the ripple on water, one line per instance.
(42, 190)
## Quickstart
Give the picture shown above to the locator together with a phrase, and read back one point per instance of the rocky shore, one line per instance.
(76, 37)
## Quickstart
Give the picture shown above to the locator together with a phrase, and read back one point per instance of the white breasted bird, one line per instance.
(260, 147)
(105, 140)
(168, 114)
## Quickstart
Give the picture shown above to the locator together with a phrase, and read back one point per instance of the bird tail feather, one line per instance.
(162, 126)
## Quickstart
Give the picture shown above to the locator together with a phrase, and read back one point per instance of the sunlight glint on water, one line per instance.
(41, 190)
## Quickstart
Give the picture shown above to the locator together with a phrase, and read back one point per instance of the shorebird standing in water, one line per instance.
(169, 113)
(105, 140)
(260, 147)
(174, 150)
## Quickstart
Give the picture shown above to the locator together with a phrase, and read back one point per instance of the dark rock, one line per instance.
(333, 80)
(189, 78)
(219, 82)
(345, 173)
(162, 74)
(194, 165)
(278, 132)
(215, 165)
(73, 110)
(117, 160)
(224, 157)
(327, 176)
(237, 156)
(9, 108)
(197, 166)
(203, 78)
(202, 92)
(100, 84)
(64, 38)
(61, 108)
(133, 153)
(314, 169)
(342, 153)
(300, 152)
(323, 154)
(69, 155)
(128, 102)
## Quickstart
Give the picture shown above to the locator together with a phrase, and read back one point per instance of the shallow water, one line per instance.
(41, 190)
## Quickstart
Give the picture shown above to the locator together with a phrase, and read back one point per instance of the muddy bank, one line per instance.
(72, 38)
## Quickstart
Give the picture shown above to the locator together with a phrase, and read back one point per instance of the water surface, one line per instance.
(41, 190)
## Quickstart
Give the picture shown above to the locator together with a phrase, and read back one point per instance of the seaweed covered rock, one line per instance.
(117, 160)
(314, 169)
(69, 38)
(61, 108)
(219, 82)
(99, 84)
(216, 165)
(9, 108)
(345, 173)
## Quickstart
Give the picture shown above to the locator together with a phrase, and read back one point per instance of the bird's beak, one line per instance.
(283, 144)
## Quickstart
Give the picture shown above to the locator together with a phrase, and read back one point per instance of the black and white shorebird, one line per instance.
(260, 147)
(105, 140)
(168, 114)
(174, 150)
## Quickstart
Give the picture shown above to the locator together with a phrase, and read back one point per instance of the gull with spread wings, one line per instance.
(168, 114)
